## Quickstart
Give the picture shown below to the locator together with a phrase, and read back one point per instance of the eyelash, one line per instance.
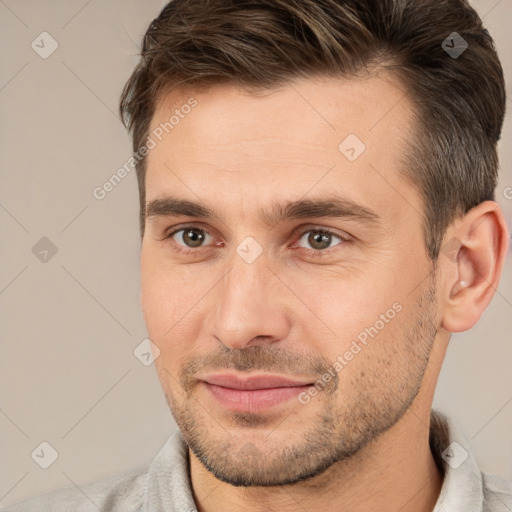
(315, 253)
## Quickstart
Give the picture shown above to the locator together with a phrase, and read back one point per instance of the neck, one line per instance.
(394, 472)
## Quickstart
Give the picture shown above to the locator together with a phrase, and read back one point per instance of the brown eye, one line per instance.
(319, 240)
(189, 237)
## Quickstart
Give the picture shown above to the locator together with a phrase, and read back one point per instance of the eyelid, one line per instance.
(301, 230)
(179, 227)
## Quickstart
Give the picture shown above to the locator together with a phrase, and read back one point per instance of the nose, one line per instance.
(248, 306)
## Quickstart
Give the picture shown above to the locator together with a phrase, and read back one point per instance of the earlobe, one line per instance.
(473, 271)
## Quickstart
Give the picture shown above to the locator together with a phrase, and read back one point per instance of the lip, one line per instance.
(255, 393)
(253, 382)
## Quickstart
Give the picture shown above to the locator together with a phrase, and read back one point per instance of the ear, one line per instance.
(471, 261)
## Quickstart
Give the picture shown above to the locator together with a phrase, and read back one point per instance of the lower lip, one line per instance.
(253, 400)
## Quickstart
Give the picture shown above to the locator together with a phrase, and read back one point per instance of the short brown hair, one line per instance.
(460, 101)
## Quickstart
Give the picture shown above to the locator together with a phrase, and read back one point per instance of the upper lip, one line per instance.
(253, 382)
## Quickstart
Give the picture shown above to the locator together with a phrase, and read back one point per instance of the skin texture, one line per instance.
(362, 442)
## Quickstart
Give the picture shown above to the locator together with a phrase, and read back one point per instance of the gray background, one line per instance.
(68, 375)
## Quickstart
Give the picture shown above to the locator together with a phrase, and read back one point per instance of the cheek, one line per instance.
(155, 297)
(341, 310)
(172, 297)
(165, 294)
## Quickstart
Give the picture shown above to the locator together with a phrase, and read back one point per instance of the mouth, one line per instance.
(253, 394)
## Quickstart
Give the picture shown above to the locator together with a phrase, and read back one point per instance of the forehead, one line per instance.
(304, 107)
(309, 136)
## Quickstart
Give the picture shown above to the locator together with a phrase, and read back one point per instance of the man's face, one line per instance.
(348, 295)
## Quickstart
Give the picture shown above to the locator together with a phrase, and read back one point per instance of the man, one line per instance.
(317, 216)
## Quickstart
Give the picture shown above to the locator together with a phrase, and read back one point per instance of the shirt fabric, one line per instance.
(164, 485)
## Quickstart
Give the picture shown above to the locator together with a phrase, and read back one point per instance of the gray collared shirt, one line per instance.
(164, 485)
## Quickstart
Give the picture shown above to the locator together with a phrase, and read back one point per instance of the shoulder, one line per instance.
(123, 492)
(162, 485)
(497, 494)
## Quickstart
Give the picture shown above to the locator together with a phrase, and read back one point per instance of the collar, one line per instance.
(462, 489)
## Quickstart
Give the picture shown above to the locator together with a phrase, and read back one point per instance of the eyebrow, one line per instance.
(332, 206)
